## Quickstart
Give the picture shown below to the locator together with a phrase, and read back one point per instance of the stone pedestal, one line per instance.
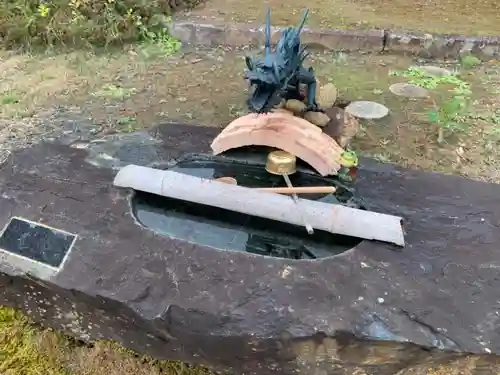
(373, 309)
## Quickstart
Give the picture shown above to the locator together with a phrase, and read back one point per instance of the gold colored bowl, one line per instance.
(281, 163)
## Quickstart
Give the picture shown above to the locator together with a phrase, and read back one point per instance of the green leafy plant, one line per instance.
(127, 124)
(9, 97)
(98, 23)
(469, 61)
(116, 92)
(159, 44)
(450, 97)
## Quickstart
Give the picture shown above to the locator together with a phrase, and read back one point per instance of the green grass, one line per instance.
(20, 350)
(8, 98)
(27, 350)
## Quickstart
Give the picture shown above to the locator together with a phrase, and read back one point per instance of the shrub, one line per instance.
(33, 23)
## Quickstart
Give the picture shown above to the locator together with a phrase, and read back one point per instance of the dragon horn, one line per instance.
(302, 21)
(268, 31)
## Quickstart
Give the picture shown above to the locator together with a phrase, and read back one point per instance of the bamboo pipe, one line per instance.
(333, 218)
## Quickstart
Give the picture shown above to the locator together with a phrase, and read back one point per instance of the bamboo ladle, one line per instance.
(286, 190)
(284, 164)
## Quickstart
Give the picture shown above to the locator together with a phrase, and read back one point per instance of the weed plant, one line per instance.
(29, 24)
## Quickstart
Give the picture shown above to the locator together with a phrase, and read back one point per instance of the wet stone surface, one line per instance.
(372, 309)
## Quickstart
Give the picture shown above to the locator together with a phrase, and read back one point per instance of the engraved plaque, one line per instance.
(37, 242)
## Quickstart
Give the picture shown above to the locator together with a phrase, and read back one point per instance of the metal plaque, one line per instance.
(36, 242)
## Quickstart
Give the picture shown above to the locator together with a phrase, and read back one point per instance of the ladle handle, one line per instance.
(295, 198)
(300, 190)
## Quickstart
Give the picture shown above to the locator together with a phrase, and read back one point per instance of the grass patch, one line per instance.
(8, 98)
(26, 350)
(115, 92)
(20, 346)
(128, 124)
(469, 61)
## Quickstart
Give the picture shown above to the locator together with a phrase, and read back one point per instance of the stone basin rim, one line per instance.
(131, 194)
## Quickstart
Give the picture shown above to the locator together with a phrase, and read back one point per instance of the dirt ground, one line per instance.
(125, 91)
(132, 89)
(442, 16)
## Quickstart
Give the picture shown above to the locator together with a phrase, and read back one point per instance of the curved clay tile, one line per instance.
(285, 132)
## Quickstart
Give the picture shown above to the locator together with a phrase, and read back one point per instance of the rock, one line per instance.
(327, 96)
(428, 308)
(317, 118)
(367, 110)
(342, 127)
(408, 90)
(296, 106)
(434, 71)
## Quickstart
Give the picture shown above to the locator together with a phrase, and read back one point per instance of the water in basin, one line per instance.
(233, 231)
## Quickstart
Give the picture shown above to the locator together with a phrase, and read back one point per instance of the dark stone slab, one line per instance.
(374, 308)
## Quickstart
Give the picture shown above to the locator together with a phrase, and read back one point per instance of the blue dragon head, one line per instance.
(269, 75)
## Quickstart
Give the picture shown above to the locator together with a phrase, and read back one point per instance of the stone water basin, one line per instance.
(374, 309)
(229, 230)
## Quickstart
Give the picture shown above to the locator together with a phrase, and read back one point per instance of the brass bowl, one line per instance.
(281, 163)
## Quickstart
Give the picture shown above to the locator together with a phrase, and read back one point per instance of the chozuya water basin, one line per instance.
(233, 231)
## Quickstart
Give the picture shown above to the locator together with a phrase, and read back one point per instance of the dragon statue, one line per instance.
(280, 73)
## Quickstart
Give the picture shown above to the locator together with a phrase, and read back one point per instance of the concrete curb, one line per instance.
(374, 40)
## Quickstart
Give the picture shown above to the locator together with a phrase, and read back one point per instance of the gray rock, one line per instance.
(367, 110)
(408, 90)
(372, 309)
